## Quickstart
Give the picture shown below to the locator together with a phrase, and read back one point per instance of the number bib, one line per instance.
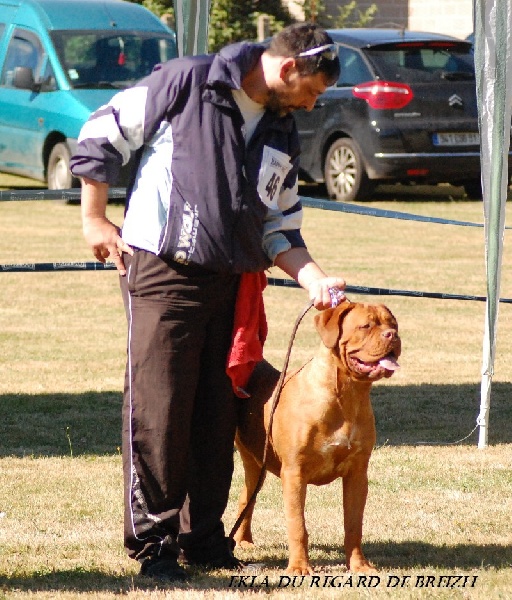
(275, 165)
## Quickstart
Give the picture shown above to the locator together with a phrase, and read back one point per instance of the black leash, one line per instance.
(277, 395)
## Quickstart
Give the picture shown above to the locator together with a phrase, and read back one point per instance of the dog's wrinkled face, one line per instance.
(366, 336)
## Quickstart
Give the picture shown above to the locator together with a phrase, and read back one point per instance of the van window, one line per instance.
(102, 59)
(24, 50)
(48, 81)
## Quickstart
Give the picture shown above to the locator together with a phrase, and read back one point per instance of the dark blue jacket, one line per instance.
(194, 198)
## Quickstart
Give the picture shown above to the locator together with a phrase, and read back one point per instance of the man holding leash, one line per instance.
(214, 196)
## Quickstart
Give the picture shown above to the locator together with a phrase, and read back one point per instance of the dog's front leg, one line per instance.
(294, 497)
(355, 491)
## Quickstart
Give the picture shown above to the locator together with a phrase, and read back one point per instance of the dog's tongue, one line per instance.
(389, 363)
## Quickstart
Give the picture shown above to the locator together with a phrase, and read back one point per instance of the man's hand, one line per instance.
(100, 233)
(323, 291)
(327, 292)
(105, 240)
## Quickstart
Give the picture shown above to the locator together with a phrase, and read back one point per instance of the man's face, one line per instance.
(295, 91)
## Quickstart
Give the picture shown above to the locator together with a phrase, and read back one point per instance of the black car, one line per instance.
(404, 110)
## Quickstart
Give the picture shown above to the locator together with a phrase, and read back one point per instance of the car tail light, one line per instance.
(384, 95)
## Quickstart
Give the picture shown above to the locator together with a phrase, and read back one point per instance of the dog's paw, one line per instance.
(303, 569)
(245, 544)
(363, 567)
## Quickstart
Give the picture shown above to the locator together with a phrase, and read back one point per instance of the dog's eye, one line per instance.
(365, 326)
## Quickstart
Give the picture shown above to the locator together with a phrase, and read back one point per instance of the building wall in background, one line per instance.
(454, 17)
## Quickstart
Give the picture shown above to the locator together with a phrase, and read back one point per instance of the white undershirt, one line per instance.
(251, 112)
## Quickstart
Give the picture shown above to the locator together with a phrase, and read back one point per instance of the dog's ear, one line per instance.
(327, 323)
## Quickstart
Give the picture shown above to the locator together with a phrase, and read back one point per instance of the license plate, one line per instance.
(456, 139)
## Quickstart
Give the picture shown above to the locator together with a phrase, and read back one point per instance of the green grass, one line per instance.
(437, 505)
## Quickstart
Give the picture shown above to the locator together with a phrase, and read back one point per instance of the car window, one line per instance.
(24, 50)
(353, 70)
(98, 58)
(426, 63)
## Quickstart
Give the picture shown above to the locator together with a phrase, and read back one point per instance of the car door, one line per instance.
(21, 135)
(335, 111)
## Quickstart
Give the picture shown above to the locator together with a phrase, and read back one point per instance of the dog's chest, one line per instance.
(335, 455)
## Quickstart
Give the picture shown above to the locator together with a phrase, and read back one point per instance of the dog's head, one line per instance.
(364, 336)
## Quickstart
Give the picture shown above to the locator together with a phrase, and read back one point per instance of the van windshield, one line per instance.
(93, 59)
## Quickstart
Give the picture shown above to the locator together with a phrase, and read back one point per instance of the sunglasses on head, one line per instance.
(328, 51)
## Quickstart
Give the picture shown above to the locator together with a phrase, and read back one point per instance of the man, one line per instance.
(214, 196)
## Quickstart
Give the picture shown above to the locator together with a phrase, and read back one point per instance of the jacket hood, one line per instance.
(232, 63)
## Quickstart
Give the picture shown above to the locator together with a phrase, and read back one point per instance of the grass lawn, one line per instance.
(438, 506)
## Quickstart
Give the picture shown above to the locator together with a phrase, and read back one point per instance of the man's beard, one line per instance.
(275, 103)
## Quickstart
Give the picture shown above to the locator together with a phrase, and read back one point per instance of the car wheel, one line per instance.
(345, 177)
(473, 189)
(59, 177)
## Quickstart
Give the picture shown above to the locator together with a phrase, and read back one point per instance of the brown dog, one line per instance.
(323, 426)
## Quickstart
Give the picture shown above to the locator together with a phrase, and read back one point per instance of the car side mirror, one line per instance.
(24, 79)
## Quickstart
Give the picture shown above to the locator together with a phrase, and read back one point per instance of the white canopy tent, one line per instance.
(493, 39)
(494, 81)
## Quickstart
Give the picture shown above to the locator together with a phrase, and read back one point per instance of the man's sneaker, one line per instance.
(163, 569)
(224, 561)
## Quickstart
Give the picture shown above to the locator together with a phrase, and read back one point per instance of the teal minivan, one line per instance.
(59, 61)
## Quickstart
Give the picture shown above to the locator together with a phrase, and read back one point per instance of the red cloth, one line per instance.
(249, 331)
